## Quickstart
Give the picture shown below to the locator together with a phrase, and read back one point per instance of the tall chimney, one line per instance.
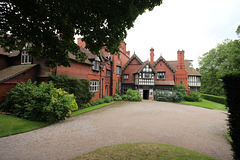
(180, 59)
(152, 56)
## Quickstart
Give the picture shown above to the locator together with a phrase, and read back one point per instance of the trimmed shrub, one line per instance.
(117, 97)
(39, 102)
(232, 88)
(78, 87)
(218, 99)
(193, 97)
(107, 99)
(132, 95)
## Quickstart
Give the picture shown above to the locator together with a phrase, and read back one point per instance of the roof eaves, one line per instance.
(133, 56)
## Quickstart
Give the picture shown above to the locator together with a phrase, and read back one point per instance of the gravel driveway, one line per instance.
(194, 128)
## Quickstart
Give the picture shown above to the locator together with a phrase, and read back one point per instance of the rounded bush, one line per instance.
(39, 102)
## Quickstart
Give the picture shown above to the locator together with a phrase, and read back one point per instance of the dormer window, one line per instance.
(25, 58)
(96, 64)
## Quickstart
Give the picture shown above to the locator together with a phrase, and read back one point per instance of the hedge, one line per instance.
(218, 99)
(232, 87)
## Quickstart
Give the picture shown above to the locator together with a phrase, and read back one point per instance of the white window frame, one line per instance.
(25, 58)
(161, 76)
(94, 86)
(96, 65)
(147, 73)
(118, 70)
(126, 76)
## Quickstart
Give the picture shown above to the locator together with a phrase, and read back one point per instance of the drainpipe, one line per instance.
(111, 77)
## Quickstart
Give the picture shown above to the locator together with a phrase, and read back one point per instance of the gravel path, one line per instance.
(194, 128)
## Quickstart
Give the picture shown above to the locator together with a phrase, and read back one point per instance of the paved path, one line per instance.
(194, 128)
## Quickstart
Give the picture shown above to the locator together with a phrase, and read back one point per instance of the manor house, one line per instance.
(105, 72)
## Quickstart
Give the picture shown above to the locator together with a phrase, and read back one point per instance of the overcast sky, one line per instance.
(191, 25)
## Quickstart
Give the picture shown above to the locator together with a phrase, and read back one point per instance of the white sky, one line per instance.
(191, 25)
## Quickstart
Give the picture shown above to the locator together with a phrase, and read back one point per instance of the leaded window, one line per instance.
(25, 58)
(94, 86)
(161, 75)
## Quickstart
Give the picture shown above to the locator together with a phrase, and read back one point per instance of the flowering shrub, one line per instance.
(39, 102)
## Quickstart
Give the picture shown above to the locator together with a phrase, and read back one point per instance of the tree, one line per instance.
(49, 26)
(218, 62)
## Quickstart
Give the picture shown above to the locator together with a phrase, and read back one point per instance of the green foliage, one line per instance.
(107, 99)
(162, 95)
(216, 63)
(180, 91)
(10, 125)
(39, 103)
(232, 88)
(166, 96)
(218, 99)
(132, 95)
(193, 97)
(50, 26)
(117, 92)
(78, 87)
(99, 101)
(117, 97)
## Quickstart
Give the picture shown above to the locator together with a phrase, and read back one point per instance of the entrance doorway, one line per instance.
(145, 94)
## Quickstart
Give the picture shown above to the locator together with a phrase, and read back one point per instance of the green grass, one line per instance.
(10, 125)
(206, 104)
(144, 151)
(81, 111)
(229, 138)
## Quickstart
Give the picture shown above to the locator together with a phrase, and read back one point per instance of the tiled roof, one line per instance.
(133, 56)
(12, 71)
(166, 83)
(12, 54)
(88, 54)
(191, 70)
(166, 62)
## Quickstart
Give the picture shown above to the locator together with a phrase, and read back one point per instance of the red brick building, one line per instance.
(148, 76)
(103, 72)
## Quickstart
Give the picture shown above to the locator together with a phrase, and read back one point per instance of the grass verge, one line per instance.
(206, 104)
(143, 151)
(10, 125)
(229, 138)
(81, 111)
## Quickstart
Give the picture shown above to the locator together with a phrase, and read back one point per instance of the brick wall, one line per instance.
(162, 67)
(130, 69)
(3, 62)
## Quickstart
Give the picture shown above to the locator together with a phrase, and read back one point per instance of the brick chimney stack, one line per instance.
(180, 59)
(152, 56)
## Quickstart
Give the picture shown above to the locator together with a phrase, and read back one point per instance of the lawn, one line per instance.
(144, 151)
(206, 104)
(10, 125)
(81, 111)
